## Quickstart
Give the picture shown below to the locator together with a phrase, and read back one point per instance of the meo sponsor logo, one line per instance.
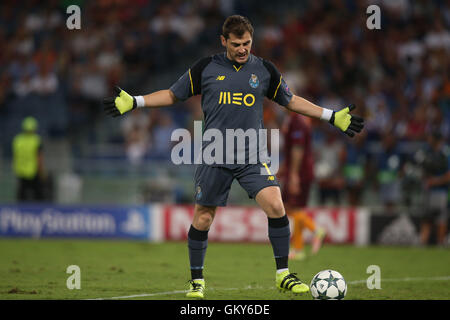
(236, 98)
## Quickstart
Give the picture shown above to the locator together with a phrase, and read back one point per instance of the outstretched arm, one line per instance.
(123, 102)
(279, 92)
(304, 107)
(342, 119)
(188, 85)
(161, 98)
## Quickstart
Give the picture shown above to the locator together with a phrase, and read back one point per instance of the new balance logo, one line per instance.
(220, 78)
(236, 98)
(270, 178)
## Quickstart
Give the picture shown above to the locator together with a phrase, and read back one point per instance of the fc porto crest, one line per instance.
(254, 81)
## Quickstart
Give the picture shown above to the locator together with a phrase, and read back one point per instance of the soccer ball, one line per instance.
(328, 285)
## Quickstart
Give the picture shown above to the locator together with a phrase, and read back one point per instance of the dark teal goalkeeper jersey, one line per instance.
(232, 98)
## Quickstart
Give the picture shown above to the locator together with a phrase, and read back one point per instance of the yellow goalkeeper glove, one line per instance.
(120, 104)
(348, 123)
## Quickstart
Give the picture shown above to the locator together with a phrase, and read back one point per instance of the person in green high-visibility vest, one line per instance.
(28, 162)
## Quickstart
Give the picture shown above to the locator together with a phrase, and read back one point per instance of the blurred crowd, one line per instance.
(398, 76)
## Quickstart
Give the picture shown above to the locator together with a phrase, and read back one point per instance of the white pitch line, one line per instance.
(442, 278)
(141, 295)
(171, 292)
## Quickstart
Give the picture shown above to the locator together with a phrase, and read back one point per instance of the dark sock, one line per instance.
(279, 236)
(281, 262)
(197, 244)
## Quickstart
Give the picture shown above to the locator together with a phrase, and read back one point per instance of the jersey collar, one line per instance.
(236, 66)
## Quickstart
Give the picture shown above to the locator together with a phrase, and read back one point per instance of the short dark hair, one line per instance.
(236, 25)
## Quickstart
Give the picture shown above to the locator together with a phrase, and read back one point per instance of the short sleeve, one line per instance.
(278, 90)
(190, 83)
(182, 88)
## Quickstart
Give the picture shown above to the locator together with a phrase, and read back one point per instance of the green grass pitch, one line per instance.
(36, 269)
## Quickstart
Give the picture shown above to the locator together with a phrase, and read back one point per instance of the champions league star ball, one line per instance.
(328, 285)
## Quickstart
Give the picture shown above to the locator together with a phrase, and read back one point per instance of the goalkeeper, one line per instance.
(233, 85)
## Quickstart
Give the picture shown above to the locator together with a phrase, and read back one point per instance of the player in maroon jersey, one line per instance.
(297, 175)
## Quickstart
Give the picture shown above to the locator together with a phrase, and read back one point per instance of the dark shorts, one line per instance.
(436, 206)
(30, 189)
(212, 184)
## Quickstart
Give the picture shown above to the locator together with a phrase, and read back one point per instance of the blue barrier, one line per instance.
(38, 221)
